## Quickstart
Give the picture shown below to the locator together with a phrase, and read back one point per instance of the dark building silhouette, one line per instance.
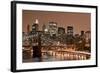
(37, 48)
(61, 30)
(70, 38)
(70, 30)
(88, 40)
(82, 33)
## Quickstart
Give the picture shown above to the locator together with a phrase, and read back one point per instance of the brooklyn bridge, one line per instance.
(53, 43)
(53, 53)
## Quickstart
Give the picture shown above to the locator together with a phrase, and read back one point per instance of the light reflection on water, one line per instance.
(58, 57)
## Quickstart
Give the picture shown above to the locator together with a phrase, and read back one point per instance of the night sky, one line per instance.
(79, 21)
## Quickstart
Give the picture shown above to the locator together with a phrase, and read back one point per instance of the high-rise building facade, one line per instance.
(88, 38)
(61, 30)
(70, 30)
(52, 28)
(35, 26)
(45, 29)
(70, 38)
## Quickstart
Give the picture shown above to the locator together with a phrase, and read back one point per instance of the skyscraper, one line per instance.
(70, 30)
(88, 38)
(45, 29)
(35, 26)
(61, 30)
(88, 34)
(70, 38)
(53, 28)
(82, 33)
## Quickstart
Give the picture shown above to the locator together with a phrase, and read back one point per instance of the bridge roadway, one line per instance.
(61, 53)
(67, 55)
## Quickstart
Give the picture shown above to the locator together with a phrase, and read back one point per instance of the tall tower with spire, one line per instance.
(36, 48)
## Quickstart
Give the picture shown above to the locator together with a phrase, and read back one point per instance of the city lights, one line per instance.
(54, 44)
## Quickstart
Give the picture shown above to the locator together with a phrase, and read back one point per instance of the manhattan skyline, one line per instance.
(80, 21)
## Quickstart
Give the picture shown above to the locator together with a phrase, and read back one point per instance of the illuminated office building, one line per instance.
(52, 28)
(35, 26)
